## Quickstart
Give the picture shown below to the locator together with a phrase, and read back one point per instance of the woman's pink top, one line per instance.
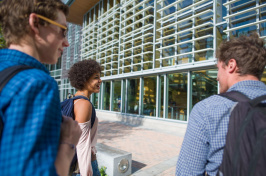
(86, 146)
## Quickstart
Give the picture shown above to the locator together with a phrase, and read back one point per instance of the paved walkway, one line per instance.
(154, 145)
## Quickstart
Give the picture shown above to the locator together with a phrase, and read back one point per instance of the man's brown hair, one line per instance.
(14, 16)
(249, 53)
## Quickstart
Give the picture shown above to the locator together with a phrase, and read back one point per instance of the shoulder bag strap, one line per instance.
(9, 72)
(257, 100)
(93, 115)
(5, 76)
(235, 96)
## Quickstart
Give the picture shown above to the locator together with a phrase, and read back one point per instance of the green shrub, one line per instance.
(102, 171)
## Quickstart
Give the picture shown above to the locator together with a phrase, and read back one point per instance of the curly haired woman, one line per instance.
(85, 77)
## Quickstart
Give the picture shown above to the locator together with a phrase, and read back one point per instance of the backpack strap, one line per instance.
(257, 100)
(9, 72)
(235, 96)
(93, 113)
(5, 76)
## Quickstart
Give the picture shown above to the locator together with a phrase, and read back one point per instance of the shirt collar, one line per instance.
(247, 84)
(19, 57)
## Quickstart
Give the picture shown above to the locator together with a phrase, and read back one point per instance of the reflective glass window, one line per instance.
(133, 96)
(244, 31)
(262, 1)
(169, 10)
(243, 18)
(105, 5)
(221, 11)
(177, 96)
(111, 3)
(96, 11)
(242, 5)
(220, 34)
(262, 29)
(204, 84)
(92, 15)
(149, 96)
(184, 4)
(106, 98)
(168, 2)
(161, 106)
(183, 59)
(123, 97)
(117, 96)
(95, 100)
(169, 61)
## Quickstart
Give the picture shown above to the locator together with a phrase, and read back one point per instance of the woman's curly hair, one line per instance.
(81, 72)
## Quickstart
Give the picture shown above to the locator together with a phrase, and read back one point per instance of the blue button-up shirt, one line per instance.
(30, 109)
(204, 141)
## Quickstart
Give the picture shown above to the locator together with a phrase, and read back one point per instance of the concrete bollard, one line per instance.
(118, 162)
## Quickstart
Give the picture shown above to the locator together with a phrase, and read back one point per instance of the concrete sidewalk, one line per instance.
(154, 144)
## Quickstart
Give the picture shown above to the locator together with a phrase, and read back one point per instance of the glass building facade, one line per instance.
(70, 56)
(56, 71)
(158, 56)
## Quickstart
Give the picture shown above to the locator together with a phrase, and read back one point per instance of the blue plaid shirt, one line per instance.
(30, 109)
(203, 144)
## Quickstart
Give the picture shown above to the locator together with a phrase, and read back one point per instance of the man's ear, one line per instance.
(232, 66)
(34, 23)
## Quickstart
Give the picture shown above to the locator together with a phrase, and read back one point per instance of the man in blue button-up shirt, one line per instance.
(240, 64)
(31, 143)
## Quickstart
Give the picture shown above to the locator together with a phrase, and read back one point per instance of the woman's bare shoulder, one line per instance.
(82, 110)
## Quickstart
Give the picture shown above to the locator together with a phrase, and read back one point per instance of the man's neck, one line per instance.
(239, 78)
(26, 48)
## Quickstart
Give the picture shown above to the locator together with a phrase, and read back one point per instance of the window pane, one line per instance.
(162, 93)
(177, 103)
(221, 11)
(133, 96)
(58, 64)
(204, 84)
(95, 100)
(117, 96)
(123, 108)
(106, 99)
(221, 35)
(111, 3)
(105, 5)
(149, 96)
(92, 15)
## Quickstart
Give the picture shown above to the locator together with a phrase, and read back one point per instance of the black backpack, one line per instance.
(245, 148)
(67, 109)
(5, 76)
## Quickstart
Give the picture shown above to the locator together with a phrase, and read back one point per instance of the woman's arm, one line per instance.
(82, 111)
